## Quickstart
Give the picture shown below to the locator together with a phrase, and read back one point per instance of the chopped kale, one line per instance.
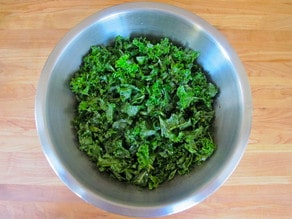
(144, 110)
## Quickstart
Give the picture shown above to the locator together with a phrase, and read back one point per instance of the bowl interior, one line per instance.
(55, 108)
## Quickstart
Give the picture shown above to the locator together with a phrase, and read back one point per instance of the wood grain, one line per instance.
(261, 33)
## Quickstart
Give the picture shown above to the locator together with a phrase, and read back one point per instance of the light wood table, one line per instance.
(261, 33)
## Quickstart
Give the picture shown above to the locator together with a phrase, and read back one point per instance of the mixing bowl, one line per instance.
(55, 109)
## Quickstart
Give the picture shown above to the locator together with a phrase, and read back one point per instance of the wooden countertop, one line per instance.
(261, 33)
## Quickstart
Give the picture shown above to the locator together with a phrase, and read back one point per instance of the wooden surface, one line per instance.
(261, 33)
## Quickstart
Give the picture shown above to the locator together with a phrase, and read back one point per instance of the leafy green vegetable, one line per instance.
(144, 110)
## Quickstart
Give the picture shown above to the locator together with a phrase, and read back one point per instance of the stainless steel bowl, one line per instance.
(54, 109)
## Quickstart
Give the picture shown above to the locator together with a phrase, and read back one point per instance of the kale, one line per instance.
(144, 110)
